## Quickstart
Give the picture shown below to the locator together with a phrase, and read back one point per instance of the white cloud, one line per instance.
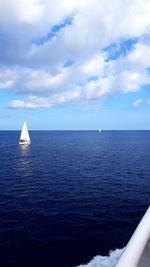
(139, 57)
(21, 11)
(7, 78)
(137, 102)
(37, 72)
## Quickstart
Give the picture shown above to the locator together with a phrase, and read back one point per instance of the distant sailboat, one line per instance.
(99, 130)
(24, 137)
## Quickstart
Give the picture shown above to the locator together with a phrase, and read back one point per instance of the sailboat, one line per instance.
(24, 137)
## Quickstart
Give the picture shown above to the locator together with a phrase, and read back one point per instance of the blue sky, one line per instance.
(75, 65)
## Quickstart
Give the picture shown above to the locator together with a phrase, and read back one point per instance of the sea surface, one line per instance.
(71, 196)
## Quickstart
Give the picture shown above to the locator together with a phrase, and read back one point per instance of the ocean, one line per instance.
(71, 197)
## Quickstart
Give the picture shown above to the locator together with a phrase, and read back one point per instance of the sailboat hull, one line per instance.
(24, 142)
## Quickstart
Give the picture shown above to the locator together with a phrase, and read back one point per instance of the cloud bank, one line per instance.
(54, 53)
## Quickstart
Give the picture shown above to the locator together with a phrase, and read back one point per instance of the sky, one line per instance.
(75, 65)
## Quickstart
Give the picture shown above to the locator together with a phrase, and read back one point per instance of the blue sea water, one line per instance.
(70, 195)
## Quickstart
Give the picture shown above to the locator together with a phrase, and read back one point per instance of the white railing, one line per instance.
(137, 251)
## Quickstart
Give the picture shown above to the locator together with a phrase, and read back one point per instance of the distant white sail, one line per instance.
(24, 137)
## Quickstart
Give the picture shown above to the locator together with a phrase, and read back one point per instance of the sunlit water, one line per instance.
(70, 196)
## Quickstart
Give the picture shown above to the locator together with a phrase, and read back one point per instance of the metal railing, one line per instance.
(137, 251)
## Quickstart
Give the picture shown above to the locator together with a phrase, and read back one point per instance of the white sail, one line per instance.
(24, 137)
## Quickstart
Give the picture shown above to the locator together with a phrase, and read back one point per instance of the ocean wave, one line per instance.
(104, 261)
